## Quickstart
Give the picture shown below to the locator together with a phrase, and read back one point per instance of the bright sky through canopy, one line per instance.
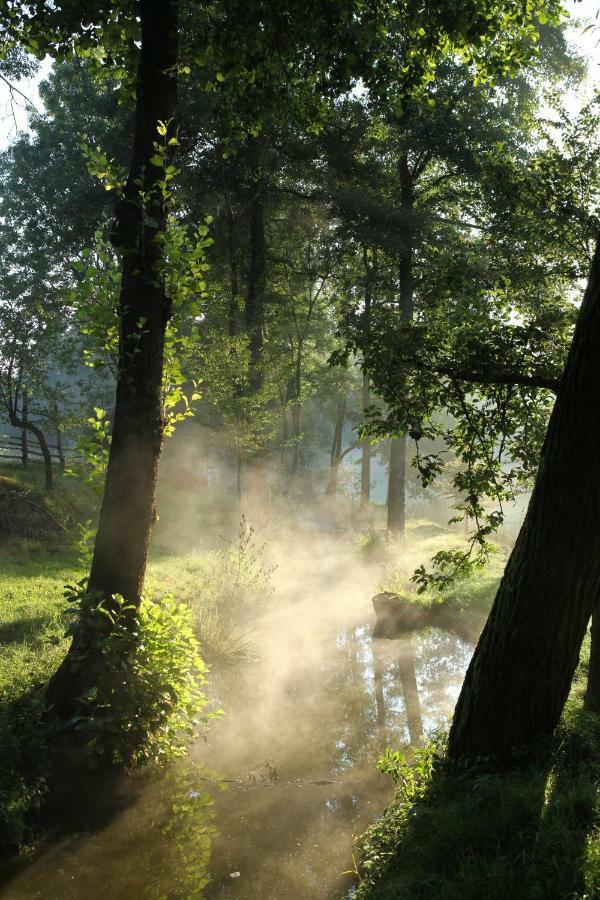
(13, 109)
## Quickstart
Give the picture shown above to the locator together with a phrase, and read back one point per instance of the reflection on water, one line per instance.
(270, 801)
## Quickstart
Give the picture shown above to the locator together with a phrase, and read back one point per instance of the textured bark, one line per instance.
(396, 519)
(128, 513)
(591, 700)
(521, 673)
(119, 563)
(396, 515)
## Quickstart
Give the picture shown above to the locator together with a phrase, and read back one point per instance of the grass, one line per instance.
(464, 605)
(531, 832)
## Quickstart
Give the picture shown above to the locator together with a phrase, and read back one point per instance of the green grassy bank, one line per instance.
(528, 833)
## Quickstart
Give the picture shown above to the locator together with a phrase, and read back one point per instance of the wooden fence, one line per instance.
(23, 450)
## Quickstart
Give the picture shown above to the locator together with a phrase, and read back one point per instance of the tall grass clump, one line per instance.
(226, 590)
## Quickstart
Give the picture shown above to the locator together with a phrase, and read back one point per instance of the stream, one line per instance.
(272, 796)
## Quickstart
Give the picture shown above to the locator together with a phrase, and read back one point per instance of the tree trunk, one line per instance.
(257, 491)
(60, 448)
(296, 410)
(336, 450)
(591, 701)
(396, 515)
(521, 673)
(254, 311)
(396, 521)
(47, 456)
(27, 425)
(59, 441)
(365, 466)
(24, 442)
(128, 512)
(233, 308)
(365, 463)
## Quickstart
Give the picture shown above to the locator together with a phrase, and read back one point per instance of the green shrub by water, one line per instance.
(146, 702)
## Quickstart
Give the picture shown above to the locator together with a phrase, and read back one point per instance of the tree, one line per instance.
(118, 566)
(521, 672)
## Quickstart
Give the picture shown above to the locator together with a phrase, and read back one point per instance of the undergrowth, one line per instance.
(530, 832)
(146, 701)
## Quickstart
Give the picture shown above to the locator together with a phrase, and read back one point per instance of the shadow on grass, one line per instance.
(525, 833)
(29, 629)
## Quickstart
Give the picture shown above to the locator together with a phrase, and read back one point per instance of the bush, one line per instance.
(146, 702)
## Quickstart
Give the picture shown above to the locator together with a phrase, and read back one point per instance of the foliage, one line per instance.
(94, 444)
(373, 543)
(147, 702)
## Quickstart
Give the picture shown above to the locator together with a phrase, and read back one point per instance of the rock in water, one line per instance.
(397, 614)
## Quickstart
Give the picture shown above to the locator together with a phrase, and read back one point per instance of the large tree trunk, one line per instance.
(128, 513)
(396, 520)
(521, 673)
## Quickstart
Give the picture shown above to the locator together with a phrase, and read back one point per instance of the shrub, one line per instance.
(147, 700)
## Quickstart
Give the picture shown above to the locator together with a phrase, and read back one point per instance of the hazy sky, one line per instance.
(13, 115)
